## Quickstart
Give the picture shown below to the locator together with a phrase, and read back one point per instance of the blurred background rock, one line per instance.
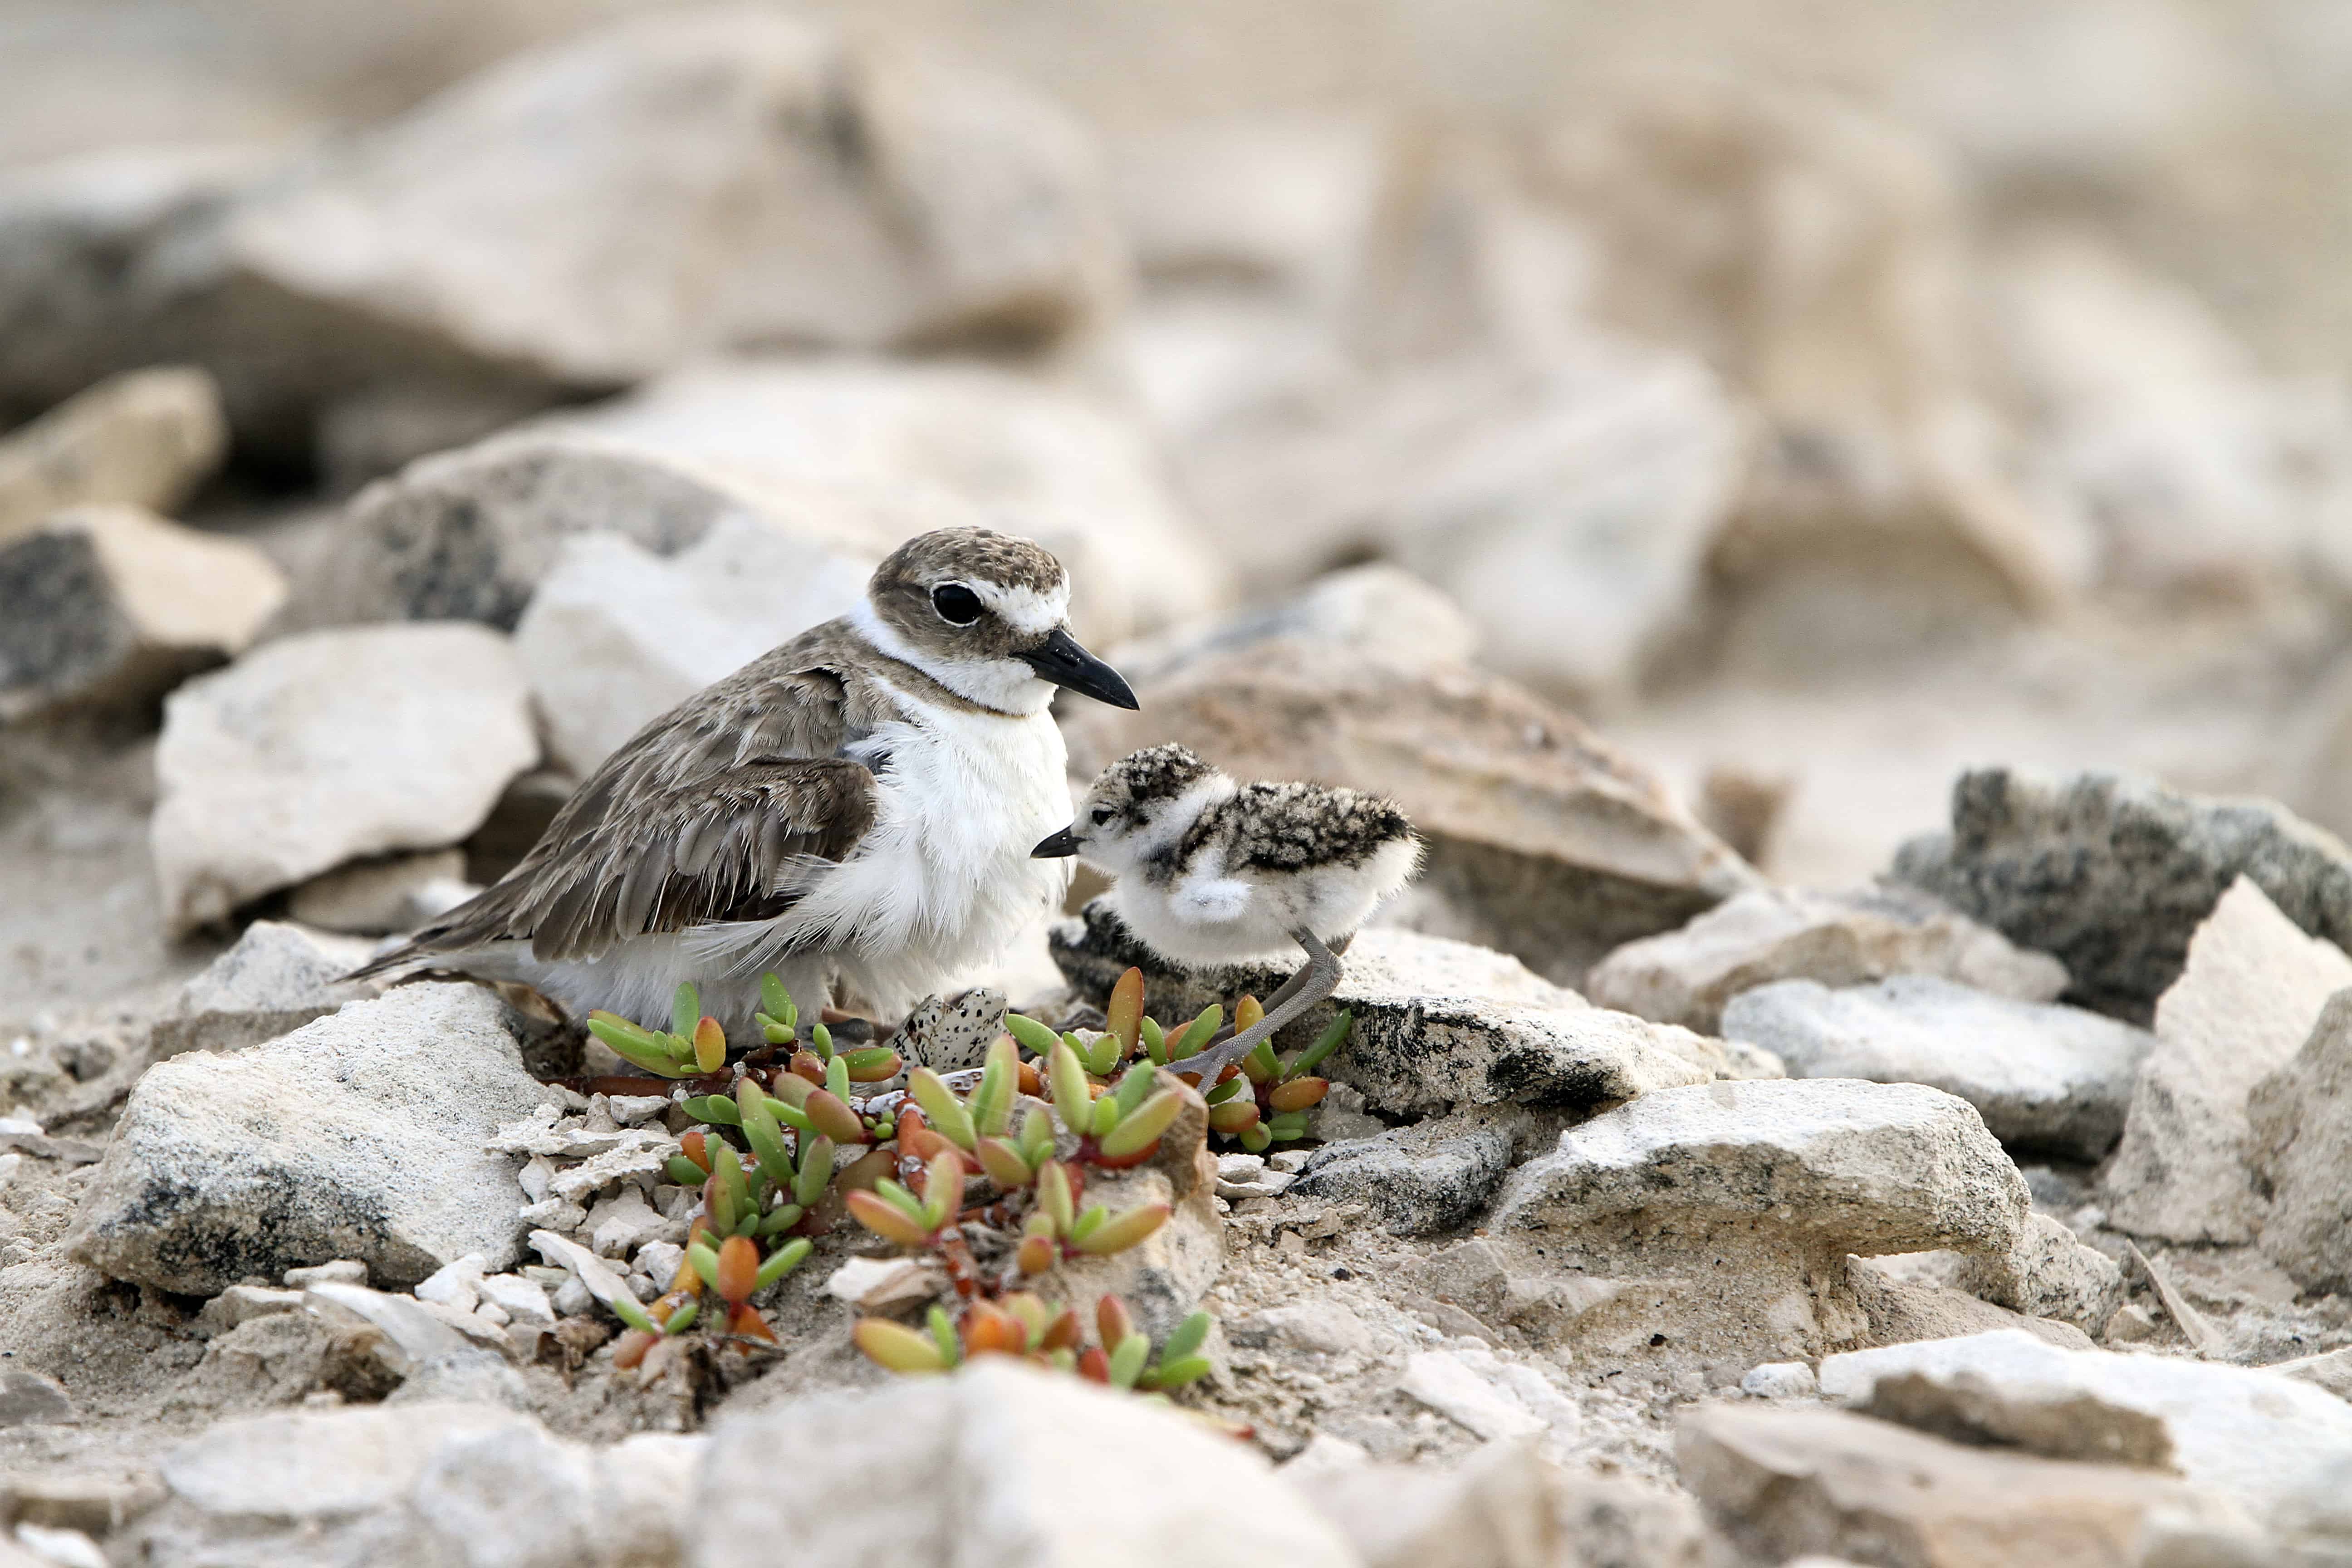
(1817, 396)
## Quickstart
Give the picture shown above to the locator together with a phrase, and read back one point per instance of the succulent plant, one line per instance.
(767, 1160)
(1024, 1324)
(1261, 1101)
(694, 1044)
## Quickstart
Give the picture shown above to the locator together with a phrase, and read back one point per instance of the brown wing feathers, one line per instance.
(720, 849)
(701, 817)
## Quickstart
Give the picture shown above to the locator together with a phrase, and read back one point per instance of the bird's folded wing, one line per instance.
(740, 844)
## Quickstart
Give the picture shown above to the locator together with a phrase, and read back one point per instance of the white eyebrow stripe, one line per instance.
(1024, 608)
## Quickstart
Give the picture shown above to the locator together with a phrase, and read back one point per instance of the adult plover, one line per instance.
(853, 809)
(1211, 871)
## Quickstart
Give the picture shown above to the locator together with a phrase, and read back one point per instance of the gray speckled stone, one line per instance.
(1438, 1023)
(2112, 874)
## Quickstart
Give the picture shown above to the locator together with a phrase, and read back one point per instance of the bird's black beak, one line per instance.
(1055, 847)
(1061, 660)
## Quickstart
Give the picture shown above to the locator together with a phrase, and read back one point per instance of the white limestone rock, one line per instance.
(1839, 939)
(327, 747)
(2252, 988)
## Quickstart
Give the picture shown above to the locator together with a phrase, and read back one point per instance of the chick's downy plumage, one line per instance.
(1211, 870)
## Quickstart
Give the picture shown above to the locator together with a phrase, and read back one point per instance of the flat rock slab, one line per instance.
(1822, 1166)
(950, 1439)
(2050, 1079)
(1782, 1482)
(2113, 874)
(331, 746)
(2244, 1004)
(358, 1136)
(2282, 1448)
(1544, 840)
(1794, 933)
(431, 1481)
(1438, 1023)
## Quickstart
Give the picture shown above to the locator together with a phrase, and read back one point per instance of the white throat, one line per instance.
(1006, 685)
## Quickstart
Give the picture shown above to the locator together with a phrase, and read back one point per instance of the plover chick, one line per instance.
(854, 807)
(1211, 871)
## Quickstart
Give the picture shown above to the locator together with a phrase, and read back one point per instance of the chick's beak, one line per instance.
(1055, 847)
(1061, 660)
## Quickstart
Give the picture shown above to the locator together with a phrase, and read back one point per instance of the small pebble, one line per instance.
(658, 1261)
(522, 1300)
(1780, 1380)
(65, 1548)
(342, 1271)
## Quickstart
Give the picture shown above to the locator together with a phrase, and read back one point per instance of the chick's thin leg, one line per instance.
(1308, 988)
(1282, 994)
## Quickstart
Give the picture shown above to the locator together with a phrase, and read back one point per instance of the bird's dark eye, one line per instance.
(956, 604)
(1102, 815)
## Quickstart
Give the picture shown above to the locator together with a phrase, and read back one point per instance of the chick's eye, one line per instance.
(1102, 815)
(956, 604)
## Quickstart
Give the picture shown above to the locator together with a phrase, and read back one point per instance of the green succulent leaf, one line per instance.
(624, 1307)
(1126, 1361)
(1334, 1035)
(949, 1116)
(1288, 1125)
(815, 1172)
(684, 1172)
(943, 1335)
(1177, 1373)
(715, 1108)
(1155, 1040)
(1106, 1116)
(1257, 1138)
(899, 1198)
(1040, 1039)
(706, 1264)
(785, 1259)
(635, 1047)
(1148, 1122)
(1036, 1140)
(780, 1220)
(1134, 1088)
(685, 1009)
(1196, 1035)
(776, 1002)
(683, 1319)
(1066, 1078)
(837, 1077)
(1187, 1337)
